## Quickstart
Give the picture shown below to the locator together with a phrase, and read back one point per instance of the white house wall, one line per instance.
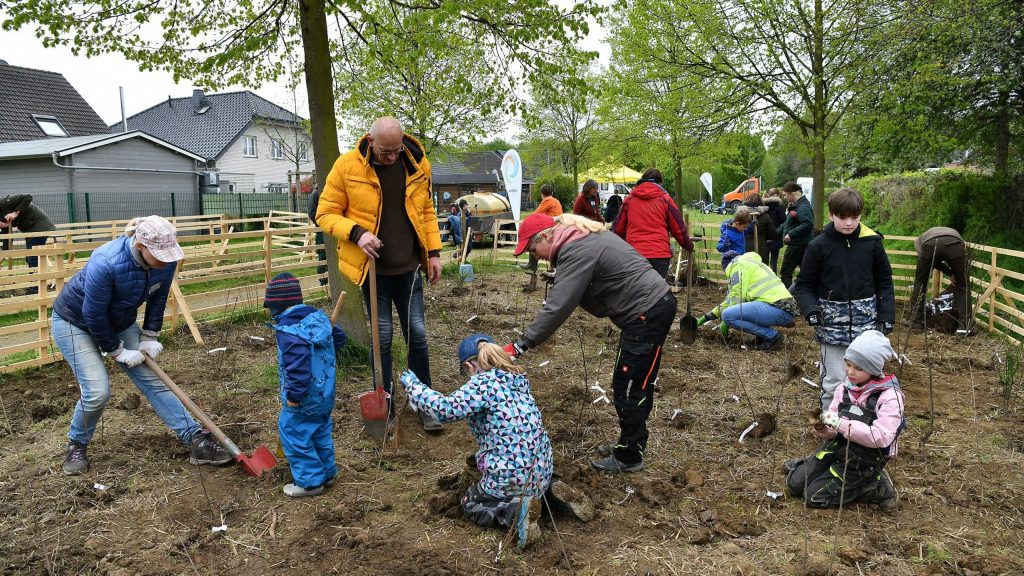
(257, 174)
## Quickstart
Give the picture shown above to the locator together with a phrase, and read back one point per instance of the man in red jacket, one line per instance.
(648, 215)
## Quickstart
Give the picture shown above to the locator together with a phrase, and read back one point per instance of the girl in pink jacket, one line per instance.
(860, 429)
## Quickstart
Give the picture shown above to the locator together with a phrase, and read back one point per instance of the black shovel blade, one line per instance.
(687, 329)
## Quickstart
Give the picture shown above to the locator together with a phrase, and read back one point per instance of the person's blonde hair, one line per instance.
(490, 355)
(581, 223)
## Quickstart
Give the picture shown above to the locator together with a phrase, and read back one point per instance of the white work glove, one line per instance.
(149, 345)
(130, 358)
(830, 419)
(408, 377)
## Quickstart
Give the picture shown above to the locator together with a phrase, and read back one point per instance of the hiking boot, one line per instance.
(206, 450)
(527, 529)
(791, 464)
(885, 495)
(430, 424)
(294, 491)
(566, 500)
(76, 461)
(770, 344)
(613, 465)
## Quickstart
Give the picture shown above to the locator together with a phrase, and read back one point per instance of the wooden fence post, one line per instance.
(268, 261)
(42, 295)
(993, 278)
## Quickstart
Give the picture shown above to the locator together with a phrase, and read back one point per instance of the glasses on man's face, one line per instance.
(388, 153)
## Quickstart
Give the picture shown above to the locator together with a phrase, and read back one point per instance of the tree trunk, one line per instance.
(1001, 154)
(818, 169)
(818, 115)
(320, 90)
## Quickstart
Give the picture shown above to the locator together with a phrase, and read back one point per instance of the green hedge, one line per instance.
(982, 207)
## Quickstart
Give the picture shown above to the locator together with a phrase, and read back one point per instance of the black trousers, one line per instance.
(660, 265)
(636, 369)
(955, 257)
(835, 475)
(790, 262)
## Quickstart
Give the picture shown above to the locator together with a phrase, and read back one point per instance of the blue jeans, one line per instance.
(30, 243)
(455, 227)
(756, 318)
(83, 355)
(405, 291)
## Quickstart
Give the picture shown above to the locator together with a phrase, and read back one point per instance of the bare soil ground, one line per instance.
(700, 507)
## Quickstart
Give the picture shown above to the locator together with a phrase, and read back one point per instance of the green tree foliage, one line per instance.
(803, 60)
(563, 118)
(958, 90)
(657, 111)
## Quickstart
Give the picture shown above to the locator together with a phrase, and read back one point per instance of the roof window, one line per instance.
(50, 126)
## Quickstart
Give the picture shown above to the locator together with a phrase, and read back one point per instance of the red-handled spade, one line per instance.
(373, 405)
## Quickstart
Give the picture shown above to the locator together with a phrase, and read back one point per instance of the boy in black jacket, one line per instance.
(845, 286)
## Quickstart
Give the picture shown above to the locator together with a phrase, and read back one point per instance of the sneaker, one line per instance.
(293, 491)
(886, 495)
(566, 500)
(527, 529)
(770, 344)
(206, 450)
(613, 465)
(430, 424)
(76, 460)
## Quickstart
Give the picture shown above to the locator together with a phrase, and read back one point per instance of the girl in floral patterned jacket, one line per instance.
(515, 456)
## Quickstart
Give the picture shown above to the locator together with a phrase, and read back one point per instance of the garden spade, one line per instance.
(261, 460)
(466, 270)
(675, 277)
(688, 324)
(373, 405)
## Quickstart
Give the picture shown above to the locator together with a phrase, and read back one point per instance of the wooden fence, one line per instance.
(226, 265)
(997, 307)
(219, 252)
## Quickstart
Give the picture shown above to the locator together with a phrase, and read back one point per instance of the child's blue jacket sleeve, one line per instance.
(467, 400)
(295, 366)
(340, 338)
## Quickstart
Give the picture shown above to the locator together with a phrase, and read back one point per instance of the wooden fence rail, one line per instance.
(225, 269)
(220, 253)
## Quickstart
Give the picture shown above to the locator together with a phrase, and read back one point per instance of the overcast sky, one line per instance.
(97, 79)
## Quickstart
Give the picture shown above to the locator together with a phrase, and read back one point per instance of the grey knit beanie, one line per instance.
(869, 351)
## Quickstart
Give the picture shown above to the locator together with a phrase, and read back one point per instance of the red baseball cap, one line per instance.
(531, 225)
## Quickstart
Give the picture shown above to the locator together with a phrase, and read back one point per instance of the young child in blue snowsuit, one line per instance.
(515, 456)
(306, 349)
(732, 235)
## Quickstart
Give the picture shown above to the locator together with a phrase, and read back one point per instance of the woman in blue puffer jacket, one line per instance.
(95, 316)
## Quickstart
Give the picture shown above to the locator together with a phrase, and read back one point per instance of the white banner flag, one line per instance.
(512, 172)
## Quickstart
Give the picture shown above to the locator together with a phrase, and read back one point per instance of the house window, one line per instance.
(231, 187)
(50, 126)
(249, 147)
(277, 149)
(303, 152)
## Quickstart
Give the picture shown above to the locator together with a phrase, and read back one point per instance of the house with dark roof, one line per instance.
(456, 175)
(256, 145)
(103, 176)
(37, 104)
